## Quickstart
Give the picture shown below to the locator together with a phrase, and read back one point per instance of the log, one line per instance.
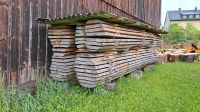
(197, 45)
(189, 57)
(175, 51)
(188, 47)
(173, 57)
(197, 51)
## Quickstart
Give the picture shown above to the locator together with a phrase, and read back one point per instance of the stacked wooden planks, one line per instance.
(99, 52)
(97, 68)
(100, 36)
(107, 51)
(64, 52)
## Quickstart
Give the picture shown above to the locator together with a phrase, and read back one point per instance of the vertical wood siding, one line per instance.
(3, 40)
(24, 47)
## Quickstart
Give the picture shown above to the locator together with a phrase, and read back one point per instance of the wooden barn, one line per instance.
(25, 50)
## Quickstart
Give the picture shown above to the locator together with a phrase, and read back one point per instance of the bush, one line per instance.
(177, 34)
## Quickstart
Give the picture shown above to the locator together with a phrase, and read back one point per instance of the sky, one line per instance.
(168, 5)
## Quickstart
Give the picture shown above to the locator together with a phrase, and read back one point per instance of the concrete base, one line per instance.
(137, 74)
(29, 87)
(110, 86)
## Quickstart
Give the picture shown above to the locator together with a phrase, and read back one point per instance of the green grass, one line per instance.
(171, 87)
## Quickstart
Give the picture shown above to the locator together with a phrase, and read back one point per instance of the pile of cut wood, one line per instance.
(108, 51)
(64, 52)
(105, 51)
(174, 55)
(94, 68)
(192, 47)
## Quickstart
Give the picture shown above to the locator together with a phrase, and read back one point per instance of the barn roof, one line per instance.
(105, 16)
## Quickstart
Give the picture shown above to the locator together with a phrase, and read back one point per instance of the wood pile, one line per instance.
(107, 51)
(64, 52)
(94, 68)
(192, 47)
(197, 46)
(174, 55)
(99, 36)
(99, 52)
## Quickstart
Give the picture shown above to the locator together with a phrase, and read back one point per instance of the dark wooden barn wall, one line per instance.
(148, 11)
(3, 37)
(24, 47)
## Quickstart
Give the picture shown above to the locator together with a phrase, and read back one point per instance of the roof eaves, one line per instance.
(105, 16)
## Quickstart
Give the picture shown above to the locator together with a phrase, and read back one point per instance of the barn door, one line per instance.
(3, 41)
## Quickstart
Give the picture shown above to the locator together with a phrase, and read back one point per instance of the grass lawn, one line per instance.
(170, 87)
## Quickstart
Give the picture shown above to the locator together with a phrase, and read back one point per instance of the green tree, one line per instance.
(192, 33)
(178, 34)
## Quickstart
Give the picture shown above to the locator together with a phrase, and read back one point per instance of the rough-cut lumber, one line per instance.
(99, 36)
(97, 52)
(175, 51)
(94, 68)
(64, 52)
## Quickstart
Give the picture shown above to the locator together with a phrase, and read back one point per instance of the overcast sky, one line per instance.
(176, 4)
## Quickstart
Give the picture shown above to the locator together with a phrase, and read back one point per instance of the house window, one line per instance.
(197, 16)
(184, 17)
(190, 16)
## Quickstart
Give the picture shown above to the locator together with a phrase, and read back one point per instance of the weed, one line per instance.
(170, 87)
